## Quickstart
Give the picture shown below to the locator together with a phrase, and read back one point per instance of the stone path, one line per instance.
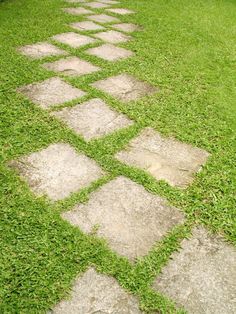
(201, 277)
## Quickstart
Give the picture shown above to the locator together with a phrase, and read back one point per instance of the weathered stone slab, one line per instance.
(125, 87)
(103, 18)
(50, 92)
(120, 11)
(86, 26)
(164, 158)
(57, 171)
(77, 11)
(71, 66)
(94, 293)
(97, 5)
(110, 52)
(128, 216)
(112, 37)
(93, 119)
(202, 276)
(41, 50)
(126, 27)
(74, 40)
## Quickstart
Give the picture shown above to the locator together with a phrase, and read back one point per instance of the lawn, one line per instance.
(186, 49)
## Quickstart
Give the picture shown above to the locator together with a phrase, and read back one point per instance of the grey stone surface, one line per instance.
(71, 66)
(77, 11)
(57, 171)
(126, 27)
(97, 5)
(202, 276)
(103, 18)
(110, 52)
(110, 1)
(94, 293)
(93, 119)
(74, 40)
(86, 26)
(128, 216)
(125, 87)
(120, 11)
(50, 92)
(41, 50)
(112, 37)
(164, 158)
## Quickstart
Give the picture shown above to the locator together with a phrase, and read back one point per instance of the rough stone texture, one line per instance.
(164, 158)
(71, 66)
(125, 87)
(110, 52)
(57, 171)
(41, 50)
(73, 39)
(126, 27)
(103, 18)
(97, 5)
(128, 216)
(120, 11)
(77, 11)
(112, 37)
(202, 276)
(86, 26)
(50, 92)
(94, 293)
(93, 119)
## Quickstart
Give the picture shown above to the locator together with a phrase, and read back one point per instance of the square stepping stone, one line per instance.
(93, 119)
(110, 52)
(71, 66)
(164, 158)
(129, 217)
(57, 171)
(97, 5)
(110, 1)
(125, 87)
(77, 11)
(86, 26)
(74, 40)
(41, 50)
(103, 18)
(50, 92)
(95, 293)
(126, 27)
(202, 276)
(120, 11)
(112, 37)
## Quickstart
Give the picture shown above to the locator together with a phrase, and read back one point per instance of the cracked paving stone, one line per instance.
(97, 5)
(164, 158)
(95, 293)
(50, 92)
(93, 119)
(201, 277)
(112, 37)
(57, 171)
(120, 11)
(77, 11)
(110, 52)
(71, 66)
(125, 87)
(126, 27)
(74, 40)
(123, 209)
(41, 50)
(103, 18)
(86, 26)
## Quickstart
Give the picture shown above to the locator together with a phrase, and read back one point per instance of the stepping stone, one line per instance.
(103, 18)
(112, 37)
(94, 293)
(126, 27)
(164, 158)
(202, 276)
(97, 5)
(71, 66)
(86, 26)
(74, 40)
(41, 50)
(120, 11)
(125, 87)
(57, 171)
(128, 216)
(50, 92)
(110, 52)
(109, 1)
(77, 11)
(93, 119)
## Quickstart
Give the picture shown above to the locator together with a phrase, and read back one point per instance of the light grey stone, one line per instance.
(110, 52)
(94, 293)
(164, 158)
(71, 66)
(50, 92)
(112, 37)
(97, 5)
(86, 26)
(128, 216)
(74, 40)
(202, 276)
(103, 18)
(126, 27)
(110, 1)
(57, 171)
(120, 11)
(125, 87)
(41, 50)
(77, 11)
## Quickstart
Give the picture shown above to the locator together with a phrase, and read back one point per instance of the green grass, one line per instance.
(187, 49)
